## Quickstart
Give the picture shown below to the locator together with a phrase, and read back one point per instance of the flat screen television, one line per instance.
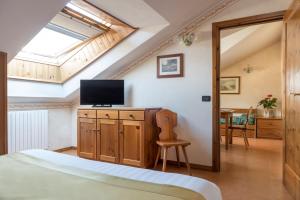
(102, 92)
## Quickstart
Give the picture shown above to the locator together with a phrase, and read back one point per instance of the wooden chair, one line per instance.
(166, 121)
(243, 127)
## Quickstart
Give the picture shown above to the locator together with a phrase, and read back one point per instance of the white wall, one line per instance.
(183, 95)
(59, 127)
(74, 123)
(263, 80)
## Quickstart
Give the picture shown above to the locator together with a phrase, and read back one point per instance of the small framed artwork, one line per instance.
(230, 85)
(170, 66)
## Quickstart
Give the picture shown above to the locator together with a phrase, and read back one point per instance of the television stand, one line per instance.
(101, 105)
(119, 135)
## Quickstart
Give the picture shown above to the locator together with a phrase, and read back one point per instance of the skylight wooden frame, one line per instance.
(84, 19)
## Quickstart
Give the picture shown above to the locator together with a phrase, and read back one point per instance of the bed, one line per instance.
(41, 174)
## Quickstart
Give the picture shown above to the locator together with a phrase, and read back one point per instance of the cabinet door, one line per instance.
(107, 140)
(132, 142)
(87, 138)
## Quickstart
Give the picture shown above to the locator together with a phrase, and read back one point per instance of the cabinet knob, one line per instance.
(131, 116)
(107, 115)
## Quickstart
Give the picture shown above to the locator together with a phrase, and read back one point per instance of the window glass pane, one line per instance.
(50, 43)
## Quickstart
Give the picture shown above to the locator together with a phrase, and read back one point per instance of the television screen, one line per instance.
(102, 92)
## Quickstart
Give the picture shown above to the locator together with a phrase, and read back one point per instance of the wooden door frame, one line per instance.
(3, 103)
(217, 27)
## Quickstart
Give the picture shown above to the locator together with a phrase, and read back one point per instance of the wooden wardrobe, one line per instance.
(118, 135)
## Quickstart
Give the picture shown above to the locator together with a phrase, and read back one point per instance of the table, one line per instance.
(227, 114)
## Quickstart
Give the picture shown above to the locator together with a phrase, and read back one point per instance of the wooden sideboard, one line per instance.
(118, 135)
(269, 128)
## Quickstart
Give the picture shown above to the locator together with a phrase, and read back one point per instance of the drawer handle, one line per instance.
(131, 116)
(85, 114)
(107, 115)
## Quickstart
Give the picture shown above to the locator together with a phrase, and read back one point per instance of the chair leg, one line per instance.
(186, 160)
(165, 150)
(231, 136)
(246, 139)
(177, 156)
(157, 156)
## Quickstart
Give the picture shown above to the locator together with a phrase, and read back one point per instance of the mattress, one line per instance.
(206, 188)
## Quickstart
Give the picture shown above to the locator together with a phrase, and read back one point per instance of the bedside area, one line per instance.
(270, 128)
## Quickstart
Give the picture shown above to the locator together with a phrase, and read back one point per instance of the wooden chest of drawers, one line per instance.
(118, 135)
(269, 128)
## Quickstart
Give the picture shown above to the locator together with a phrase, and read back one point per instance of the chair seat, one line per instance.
(237, 127)
(173, 143)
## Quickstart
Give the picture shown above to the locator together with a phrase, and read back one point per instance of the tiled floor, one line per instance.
(254, 174)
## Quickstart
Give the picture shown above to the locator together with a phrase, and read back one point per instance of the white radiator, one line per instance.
(27, 130)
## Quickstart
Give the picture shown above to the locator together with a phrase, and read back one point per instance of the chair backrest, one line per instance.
(249, 113)
(166, 121)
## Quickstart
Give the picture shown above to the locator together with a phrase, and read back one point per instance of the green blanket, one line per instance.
(25, 177)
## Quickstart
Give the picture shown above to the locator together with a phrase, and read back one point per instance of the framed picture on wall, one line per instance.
(230, 85)
(170, 66)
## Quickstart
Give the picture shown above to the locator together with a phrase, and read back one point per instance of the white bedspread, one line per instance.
(208, 189)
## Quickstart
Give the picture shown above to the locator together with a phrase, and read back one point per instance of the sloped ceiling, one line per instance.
(178, 13)
(156, 20)
(21, 20)
(237, 44)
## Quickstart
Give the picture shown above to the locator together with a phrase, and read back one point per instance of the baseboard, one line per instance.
(193, 166)
(65, 149)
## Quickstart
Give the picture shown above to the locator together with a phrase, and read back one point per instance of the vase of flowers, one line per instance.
(269, 103)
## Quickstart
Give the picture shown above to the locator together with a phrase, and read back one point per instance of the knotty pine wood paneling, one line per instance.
(292, 101)
(22, 69)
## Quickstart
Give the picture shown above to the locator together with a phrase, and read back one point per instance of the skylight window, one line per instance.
(73, 26)
(50, 43)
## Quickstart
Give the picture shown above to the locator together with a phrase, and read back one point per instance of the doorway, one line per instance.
(216, 35)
